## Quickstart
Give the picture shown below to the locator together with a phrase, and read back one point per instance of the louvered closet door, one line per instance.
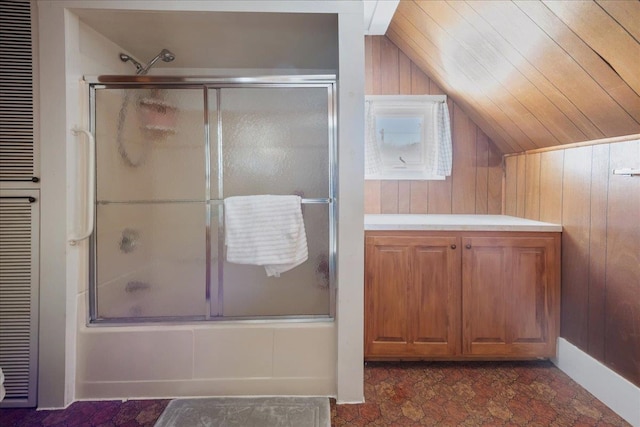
(19, 217)
(19, 231)
(17, 148)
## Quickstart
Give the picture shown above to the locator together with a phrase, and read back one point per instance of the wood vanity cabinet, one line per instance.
(461, 295)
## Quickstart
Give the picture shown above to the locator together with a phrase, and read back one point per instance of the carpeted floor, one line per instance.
(473, 394)
(400, 394)
(132, 413)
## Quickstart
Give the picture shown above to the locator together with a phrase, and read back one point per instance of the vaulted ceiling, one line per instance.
(531, 74)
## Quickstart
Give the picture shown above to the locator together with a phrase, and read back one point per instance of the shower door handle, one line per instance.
(91, 187)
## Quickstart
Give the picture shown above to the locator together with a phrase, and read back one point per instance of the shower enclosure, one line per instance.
(168, 151)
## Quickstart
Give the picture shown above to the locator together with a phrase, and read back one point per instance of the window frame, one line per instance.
(407, 106)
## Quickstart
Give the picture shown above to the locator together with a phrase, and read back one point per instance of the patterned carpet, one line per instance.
(132, 413)
(400, 394)
(473, 394)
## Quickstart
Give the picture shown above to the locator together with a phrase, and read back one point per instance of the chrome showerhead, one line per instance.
(124, 58)
(165, 55)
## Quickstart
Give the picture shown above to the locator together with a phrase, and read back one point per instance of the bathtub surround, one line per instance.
(77, 362)
(247, 412)
(221, 359)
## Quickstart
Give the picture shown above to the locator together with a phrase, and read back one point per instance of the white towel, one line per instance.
(265, 230)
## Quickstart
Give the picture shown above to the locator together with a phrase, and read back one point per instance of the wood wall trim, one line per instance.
(611, 140)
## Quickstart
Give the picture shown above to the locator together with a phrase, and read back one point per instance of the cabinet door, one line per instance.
(412, 296)
(434, 297)
(387, 277)
(510, 296)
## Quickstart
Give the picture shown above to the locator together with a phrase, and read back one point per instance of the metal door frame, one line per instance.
(207, 84)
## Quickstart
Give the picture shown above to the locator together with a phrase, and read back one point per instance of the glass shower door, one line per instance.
(167, 155)
(276, 140)
(151, 216)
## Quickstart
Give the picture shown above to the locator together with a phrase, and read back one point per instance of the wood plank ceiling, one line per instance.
(531, 74)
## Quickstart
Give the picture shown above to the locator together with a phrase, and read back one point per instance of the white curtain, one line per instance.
(372, 159)
(442, 135)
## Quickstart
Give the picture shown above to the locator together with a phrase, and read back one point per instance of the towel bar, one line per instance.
(215, 201)
(626, 172)
(308, 201)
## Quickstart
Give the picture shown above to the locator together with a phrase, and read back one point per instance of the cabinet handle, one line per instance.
(468, 246)
(453, 246)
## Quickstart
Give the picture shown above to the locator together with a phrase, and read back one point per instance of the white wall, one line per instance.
(350, 301)
(54, 379)
(109, 362)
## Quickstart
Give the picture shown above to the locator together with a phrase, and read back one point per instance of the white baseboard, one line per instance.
(619, 394)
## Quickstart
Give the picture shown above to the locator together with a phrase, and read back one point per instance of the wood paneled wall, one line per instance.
(531, 74)
(475, 185)
(600, 213)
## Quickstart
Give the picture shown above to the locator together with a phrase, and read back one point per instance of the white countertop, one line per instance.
(455, 223)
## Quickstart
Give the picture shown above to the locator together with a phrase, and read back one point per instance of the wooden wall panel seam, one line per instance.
(622, 280)
(596, 338)
(501, 109)
(567, 110)
(586, 58)
(484, 54)
(603, 35)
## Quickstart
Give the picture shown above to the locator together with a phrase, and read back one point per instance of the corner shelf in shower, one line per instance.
(159, 131)
(158, 117)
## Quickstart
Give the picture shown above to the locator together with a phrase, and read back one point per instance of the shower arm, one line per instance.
(144, 70)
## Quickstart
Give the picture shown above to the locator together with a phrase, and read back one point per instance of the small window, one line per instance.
(407, 137)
